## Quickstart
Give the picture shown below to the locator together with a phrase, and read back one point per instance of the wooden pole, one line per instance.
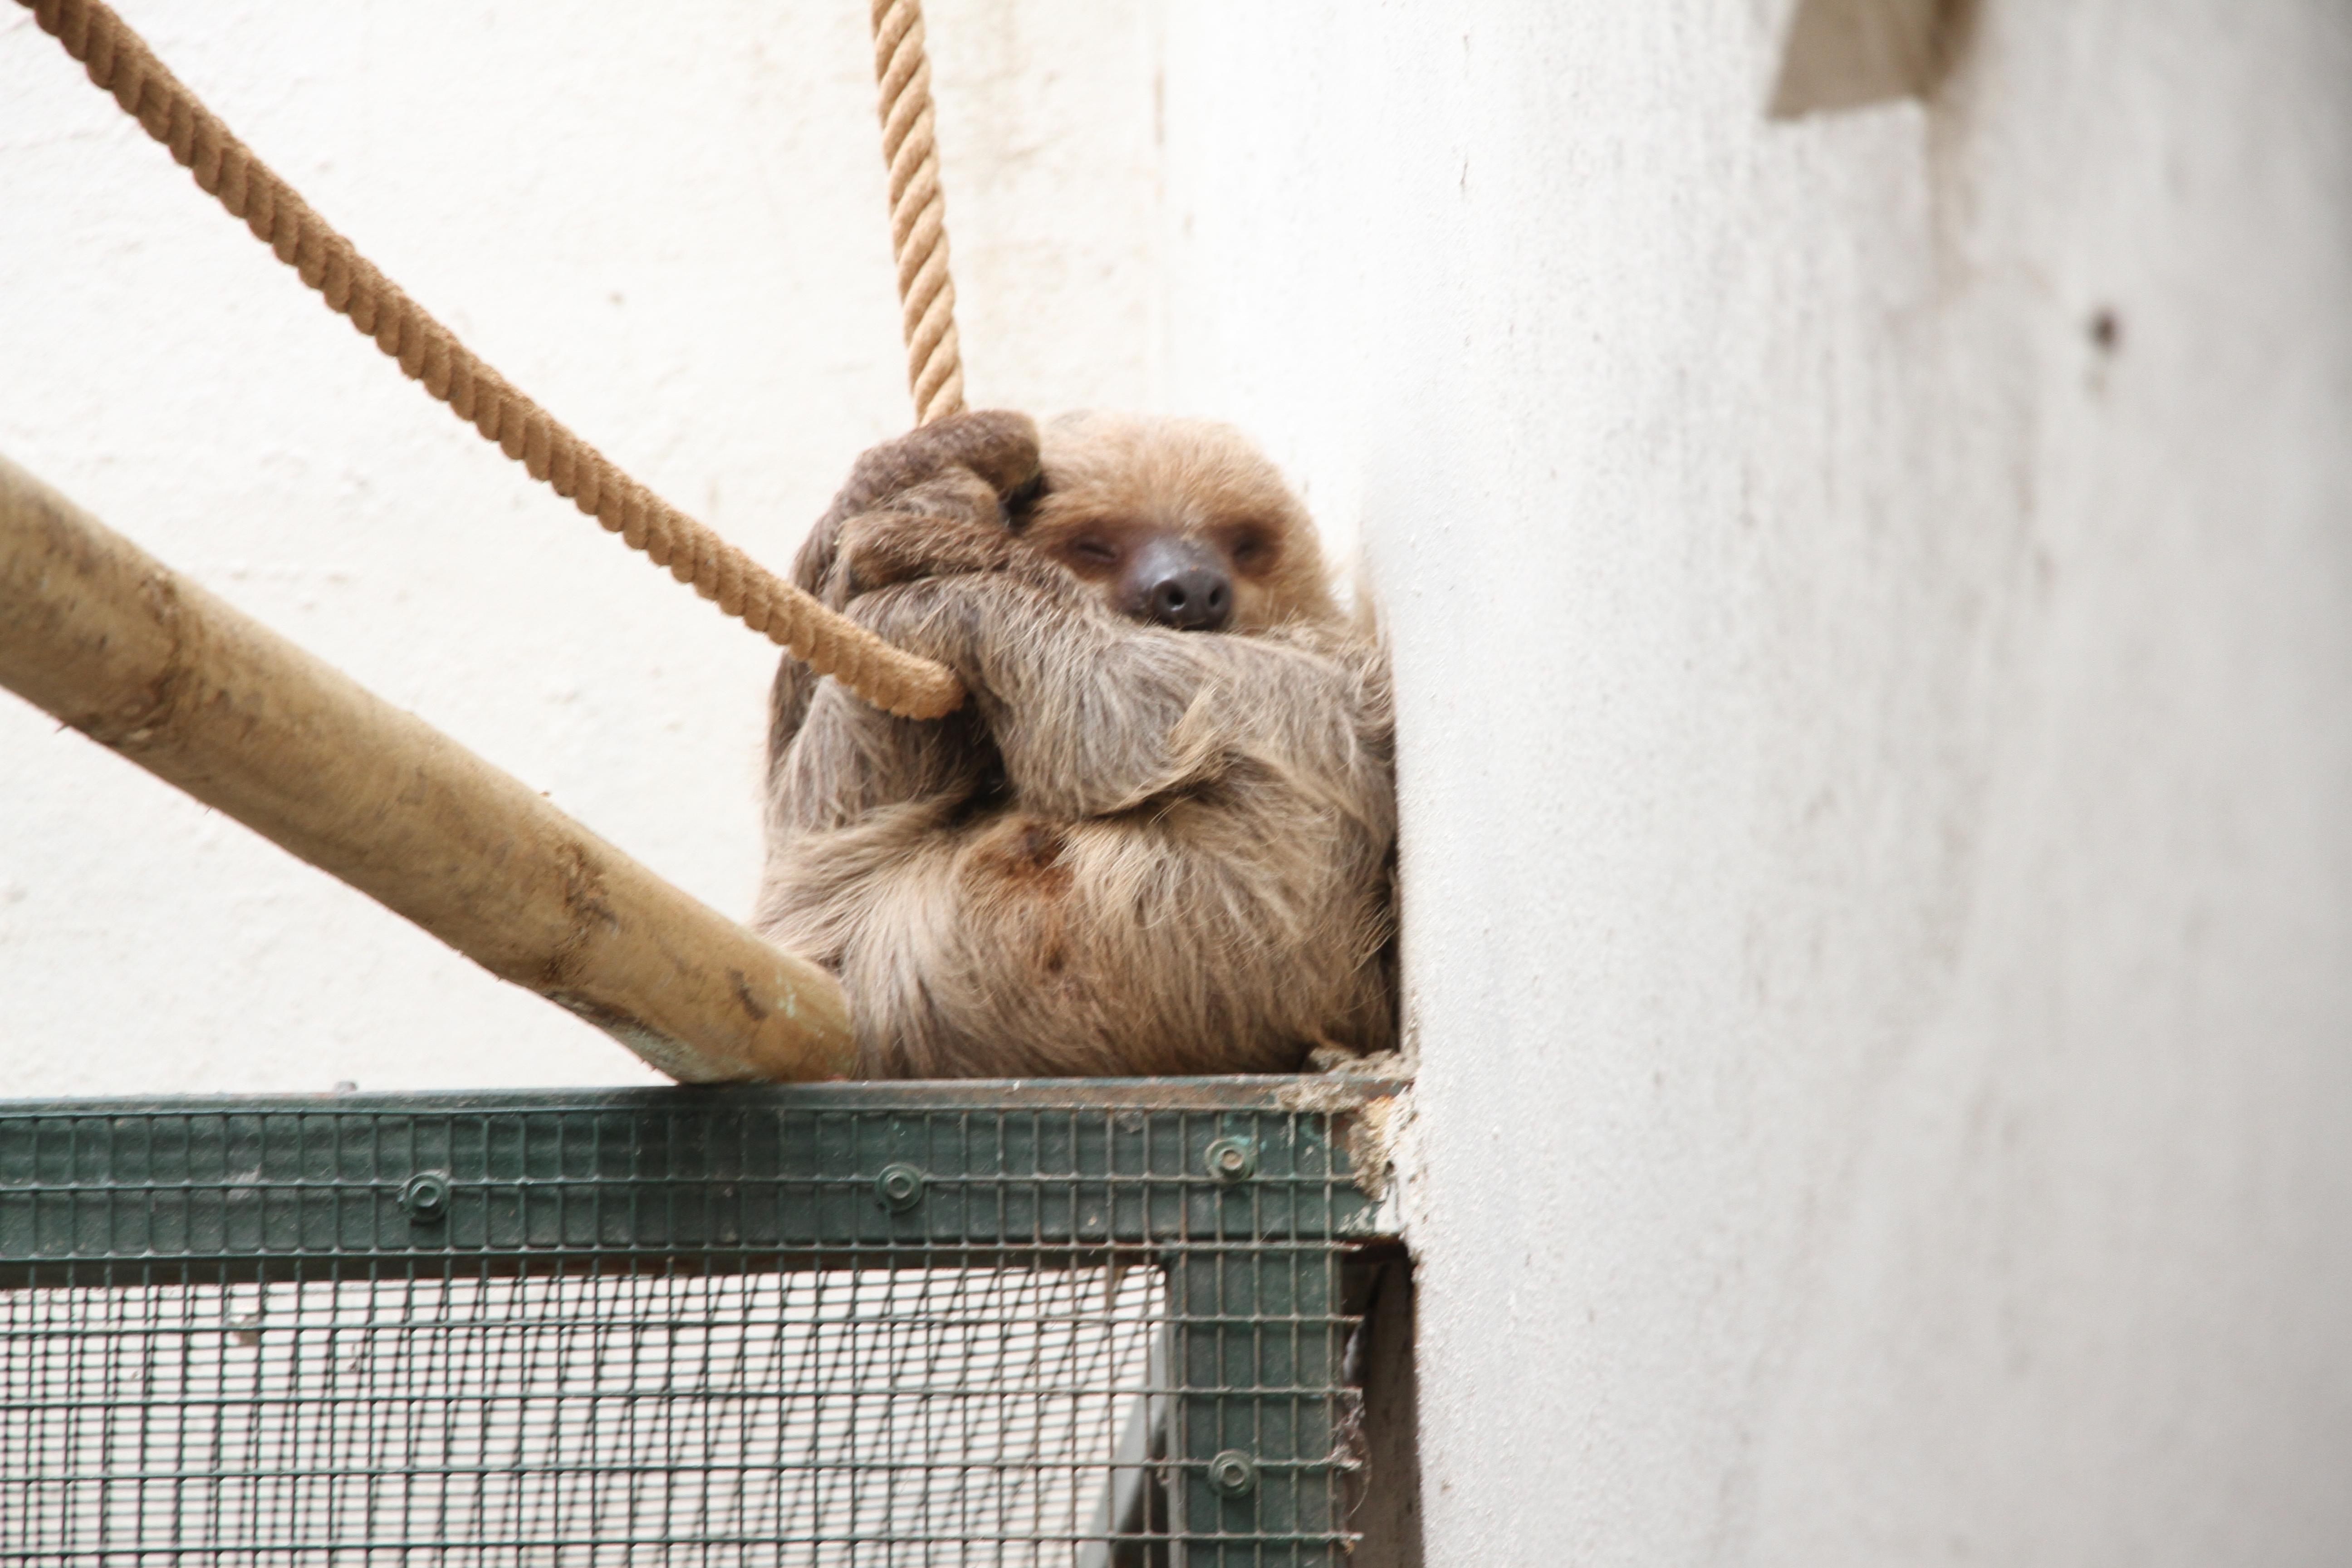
(110, 640)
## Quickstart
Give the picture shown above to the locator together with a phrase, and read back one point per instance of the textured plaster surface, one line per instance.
(1873, 597)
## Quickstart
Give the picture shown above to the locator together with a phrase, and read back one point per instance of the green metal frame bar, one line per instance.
(1239, 1188)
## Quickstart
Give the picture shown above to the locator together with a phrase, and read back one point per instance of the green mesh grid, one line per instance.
(1089, 1324)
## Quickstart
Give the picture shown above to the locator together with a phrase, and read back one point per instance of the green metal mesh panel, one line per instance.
(1089, 1324)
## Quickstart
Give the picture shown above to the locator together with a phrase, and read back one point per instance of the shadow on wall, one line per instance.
(1384, 1504)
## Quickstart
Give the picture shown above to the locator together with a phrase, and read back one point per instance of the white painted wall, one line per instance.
(1876, 766)
(668, 224)
(1876, 763)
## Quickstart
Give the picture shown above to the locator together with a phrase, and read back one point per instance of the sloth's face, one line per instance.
(1178, 521)
(1191, 578)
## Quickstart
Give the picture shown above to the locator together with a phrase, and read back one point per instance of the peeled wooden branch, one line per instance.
(103, 636)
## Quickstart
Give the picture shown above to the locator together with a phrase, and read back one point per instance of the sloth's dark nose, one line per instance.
(1196, 599)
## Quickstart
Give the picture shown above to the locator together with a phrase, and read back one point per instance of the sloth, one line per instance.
(1159, 837)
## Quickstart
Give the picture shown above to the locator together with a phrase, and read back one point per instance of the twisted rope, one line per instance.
(918, 234)
(120, 61)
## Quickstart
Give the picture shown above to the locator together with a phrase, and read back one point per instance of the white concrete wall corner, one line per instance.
(1873, 608)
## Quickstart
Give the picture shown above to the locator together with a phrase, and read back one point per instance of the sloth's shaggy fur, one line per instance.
(1136, 850)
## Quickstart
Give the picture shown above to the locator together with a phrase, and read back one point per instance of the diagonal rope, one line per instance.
(889, 677)
(918, 234)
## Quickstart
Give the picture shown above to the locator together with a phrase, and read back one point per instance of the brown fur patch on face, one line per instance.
(1113, 479)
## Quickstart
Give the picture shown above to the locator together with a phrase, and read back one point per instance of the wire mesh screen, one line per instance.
(927, 1415)
(844, 1324)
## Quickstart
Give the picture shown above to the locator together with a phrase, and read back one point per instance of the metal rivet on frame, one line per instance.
(1231, 1473)
(1231, 1159)
(426, 1196)
(898, 1187)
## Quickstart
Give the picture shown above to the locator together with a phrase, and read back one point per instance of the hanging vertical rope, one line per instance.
(120, 61)
(919, 233)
